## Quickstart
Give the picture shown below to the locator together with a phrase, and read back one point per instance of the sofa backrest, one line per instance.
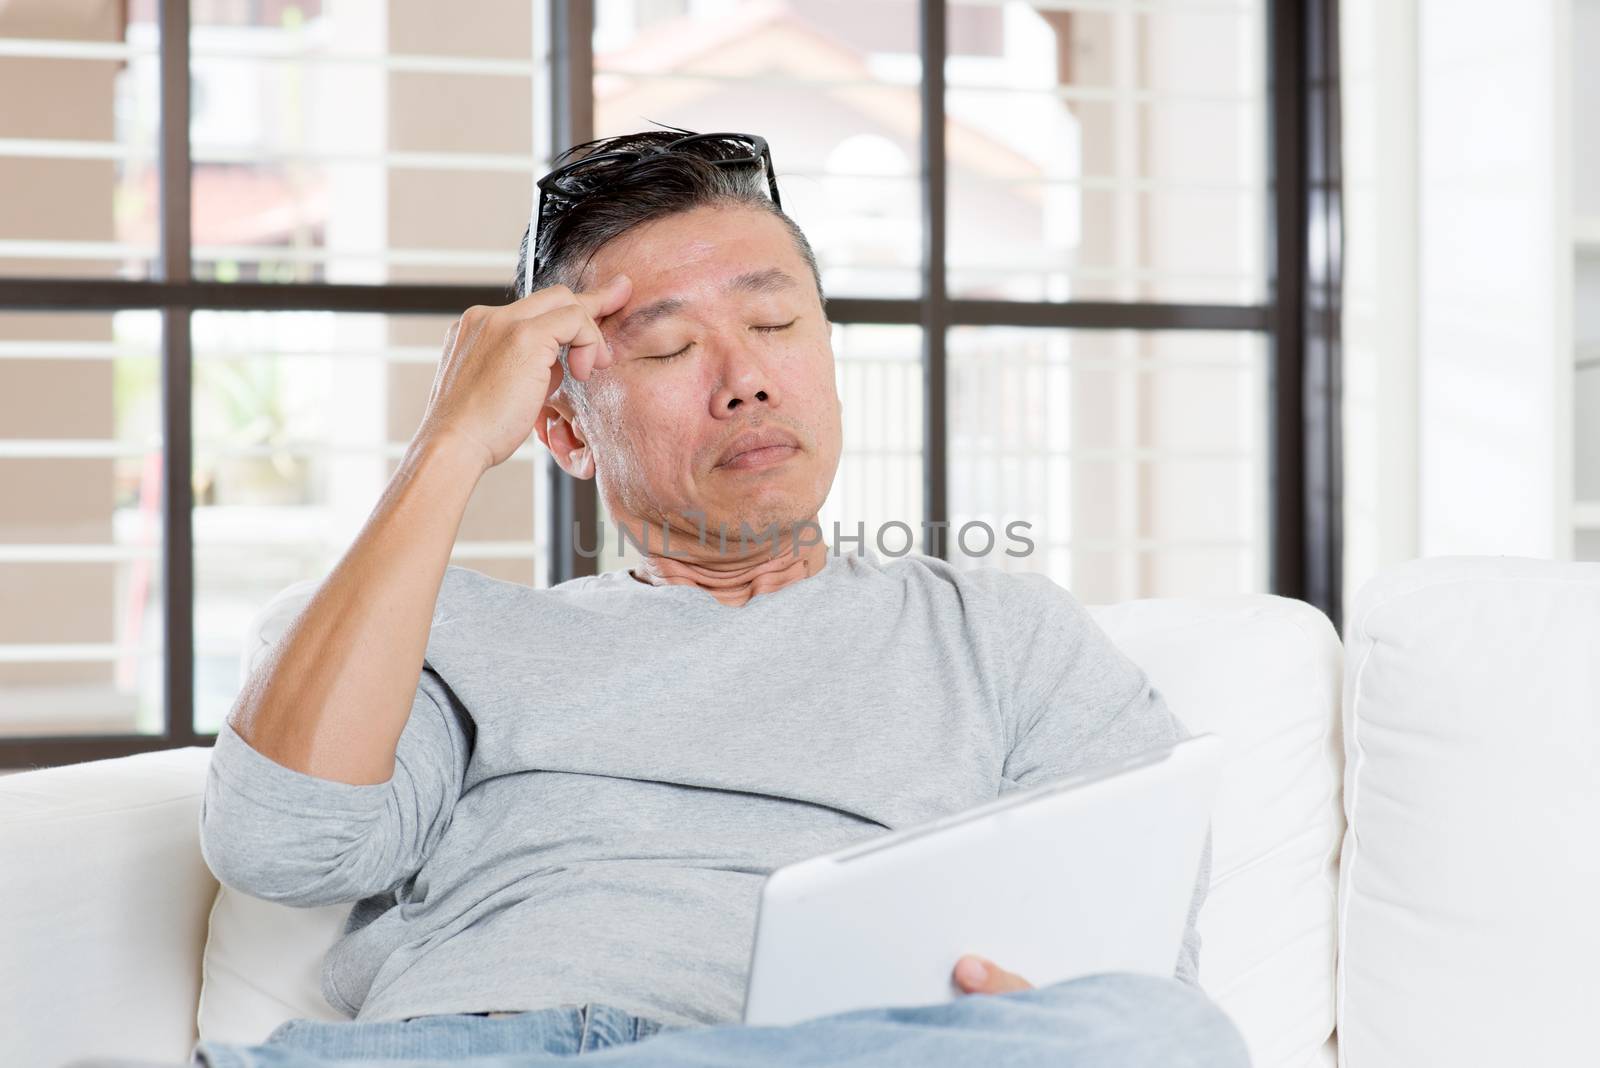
(1470, 880)
(104, 894)
(1263, 672)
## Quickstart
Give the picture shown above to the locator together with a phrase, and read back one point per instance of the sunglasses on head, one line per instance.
(574, 182)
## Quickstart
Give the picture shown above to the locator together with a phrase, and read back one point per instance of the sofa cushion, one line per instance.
(1263, 672)
(263, 965)
(1471, 870)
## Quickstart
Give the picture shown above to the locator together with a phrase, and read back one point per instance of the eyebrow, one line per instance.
(769, 280)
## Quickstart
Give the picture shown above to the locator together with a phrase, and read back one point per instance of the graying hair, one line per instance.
(656, 186)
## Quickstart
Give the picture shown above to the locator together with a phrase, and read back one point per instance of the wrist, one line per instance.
(450, 450)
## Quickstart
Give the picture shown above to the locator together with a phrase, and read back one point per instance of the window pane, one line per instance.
(1107, 152)
(81, 529)
(834, 88)
(880, 469)
(362, 142)
(78, 164)
(300, 419)
(1138, 460)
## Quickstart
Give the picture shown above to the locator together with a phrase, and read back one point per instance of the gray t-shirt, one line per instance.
(595, 778)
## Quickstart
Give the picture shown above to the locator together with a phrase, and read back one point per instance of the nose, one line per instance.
(746, 381)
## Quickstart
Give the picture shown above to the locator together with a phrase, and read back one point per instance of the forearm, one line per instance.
(332, 697)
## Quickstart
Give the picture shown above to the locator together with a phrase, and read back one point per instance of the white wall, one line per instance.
(1493, 324)
(1379, 84)
(1585, 125)
(1458, 361)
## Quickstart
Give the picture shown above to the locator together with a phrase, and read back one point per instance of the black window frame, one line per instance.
(1300, 319)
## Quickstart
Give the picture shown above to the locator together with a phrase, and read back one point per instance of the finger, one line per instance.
(600, 303)
(595, 304)
(979, 975)
(583, 357)
(568, 326)
(608, 298)
(541, 301)
(586, 349)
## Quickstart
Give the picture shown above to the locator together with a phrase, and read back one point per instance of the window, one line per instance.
(1067, 246)
(832, 86)
(1137, 458)
(209, 444)
(299, 420)
(1107, 153)
(81, 561)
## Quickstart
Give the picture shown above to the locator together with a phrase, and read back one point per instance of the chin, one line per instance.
(783, 511)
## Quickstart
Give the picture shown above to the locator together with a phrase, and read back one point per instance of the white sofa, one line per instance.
(1452, 921)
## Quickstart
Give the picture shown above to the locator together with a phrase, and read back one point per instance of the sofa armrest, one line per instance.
(105, 897)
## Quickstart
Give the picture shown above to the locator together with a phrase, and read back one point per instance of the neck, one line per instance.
(735, 576)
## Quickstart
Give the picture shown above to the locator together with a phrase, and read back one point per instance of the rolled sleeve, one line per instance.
(285, 836)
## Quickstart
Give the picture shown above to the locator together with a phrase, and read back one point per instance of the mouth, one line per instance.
(752, 459)
(754, 450)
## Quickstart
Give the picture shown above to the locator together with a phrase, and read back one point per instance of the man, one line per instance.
(554, 808)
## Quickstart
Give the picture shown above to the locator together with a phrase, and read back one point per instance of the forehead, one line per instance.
(698, 250)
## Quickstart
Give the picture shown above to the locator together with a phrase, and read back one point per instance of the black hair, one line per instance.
(656, 186)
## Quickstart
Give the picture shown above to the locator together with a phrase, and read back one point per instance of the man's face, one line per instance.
(722, 336)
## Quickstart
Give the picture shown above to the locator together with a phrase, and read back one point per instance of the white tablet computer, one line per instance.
(1089, 873)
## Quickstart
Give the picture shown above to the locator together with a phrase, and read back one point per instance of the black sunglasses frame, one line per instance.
(550, 192)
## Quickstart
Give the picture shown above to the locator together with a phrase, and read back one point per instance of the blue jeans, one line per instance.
(1104, 1021)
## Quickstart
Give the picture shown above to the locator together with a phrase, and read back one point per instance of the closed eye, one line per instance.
(762, 329)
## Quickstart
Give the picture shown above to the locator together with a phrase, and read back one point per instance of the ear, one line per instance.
(559, 431)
